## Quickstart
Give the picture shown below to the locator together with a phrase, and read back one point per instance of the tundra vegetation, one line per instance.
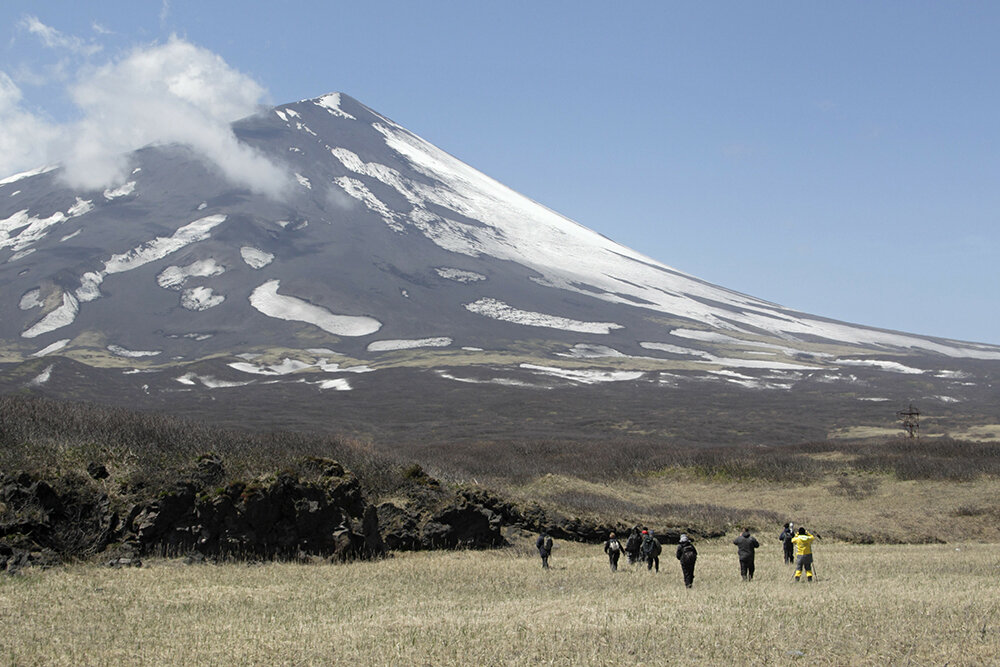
(887, 490)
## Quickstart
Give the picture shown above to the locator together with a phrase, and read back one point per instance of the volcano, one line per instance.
(391, 289)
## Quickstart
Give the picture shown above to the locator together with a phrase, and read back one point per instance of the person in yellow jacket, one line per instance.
(803, 554)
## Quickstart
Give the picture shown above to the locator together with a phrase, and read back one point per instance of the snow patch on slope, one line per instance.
(200, 298)
(507, 382)
(675, 349)
(210, 381)
(584, 376)
(81, 207)
(174, 277)
(459, 276)
(90, 282)
(26, 174)
(703, 357)
(31, 229)
(120, 351)
(41, 378)
(587, 351)
(267, 300)
(121, 191)
(360, 191)
(54, 347)
(255, 257)
(58, 318)
(331, 103)
(288, 366)
(31, 299)
(498, 310)
(162, 246)
(337, 384)
(890, 366)
(391, 345)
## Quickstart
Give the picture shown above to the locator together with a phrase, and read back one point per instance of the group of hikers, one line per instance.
(641, 546)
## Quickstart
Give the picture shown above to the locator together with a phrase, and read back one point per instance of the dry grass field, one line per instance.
(878, 605)
(851, 507)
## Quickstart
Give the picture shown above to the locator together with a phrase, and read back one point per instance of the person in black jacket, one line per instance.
(613, 548)
(687, 555)
(786, 542)
(632, 546)
(544, 546)
(746, 544)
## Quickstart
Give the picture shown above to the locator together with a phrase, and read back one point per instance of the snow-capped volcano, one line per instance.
(386, 252)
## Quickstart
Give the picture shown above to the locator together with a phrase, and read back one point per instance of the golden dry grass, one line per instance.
(931, 604)
(849, 505)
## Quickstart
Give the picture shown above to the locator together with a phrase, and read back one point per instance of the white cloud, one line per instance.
(24, 137)
(54, 39)
(164, 93)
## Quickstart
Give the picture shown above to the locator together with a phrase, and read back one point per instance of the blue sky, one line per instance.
(838, 158)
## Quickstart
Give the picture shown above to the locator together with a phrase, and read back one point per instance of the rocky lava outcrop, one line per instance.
(318, 512)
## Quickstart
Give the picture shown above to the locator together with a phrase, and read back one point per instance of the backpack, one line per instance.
(548, 544)
(614, 546)
(655, 548)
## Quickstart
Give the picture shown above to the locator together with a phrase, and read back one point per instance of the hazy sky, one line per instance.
(837, 158)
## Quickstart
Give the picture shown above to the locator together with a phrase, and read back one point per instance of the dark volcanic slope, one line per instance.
(388, 266)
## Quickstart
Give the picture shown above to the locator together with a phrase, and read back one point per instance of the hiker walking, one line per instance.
(544, 546)
(803, 554)
(613, 548)
(650, 550)
(687, 555)
(786, 542)
(632, 546)
(746, 545)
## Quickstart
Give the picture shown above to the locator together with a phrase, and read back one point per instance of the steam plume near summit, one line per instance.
(174, 92)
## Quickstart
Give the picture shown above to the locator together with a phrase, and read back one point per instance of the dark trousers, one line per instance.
(613, 560)
(789, 552)
(545, 558)
(687, 567)
(746, 568)
(653, 561)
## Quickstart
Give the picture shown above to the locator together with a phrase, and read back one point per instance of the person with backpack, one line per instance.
(544, 546)
(632, 546)
(746, 544)
(650, 550)
(687, 555)
(786, 542)
(613, 548)
(803, 554)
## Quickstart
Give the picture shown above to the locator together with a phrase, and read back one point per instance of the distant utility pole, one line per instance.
(910, 417)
